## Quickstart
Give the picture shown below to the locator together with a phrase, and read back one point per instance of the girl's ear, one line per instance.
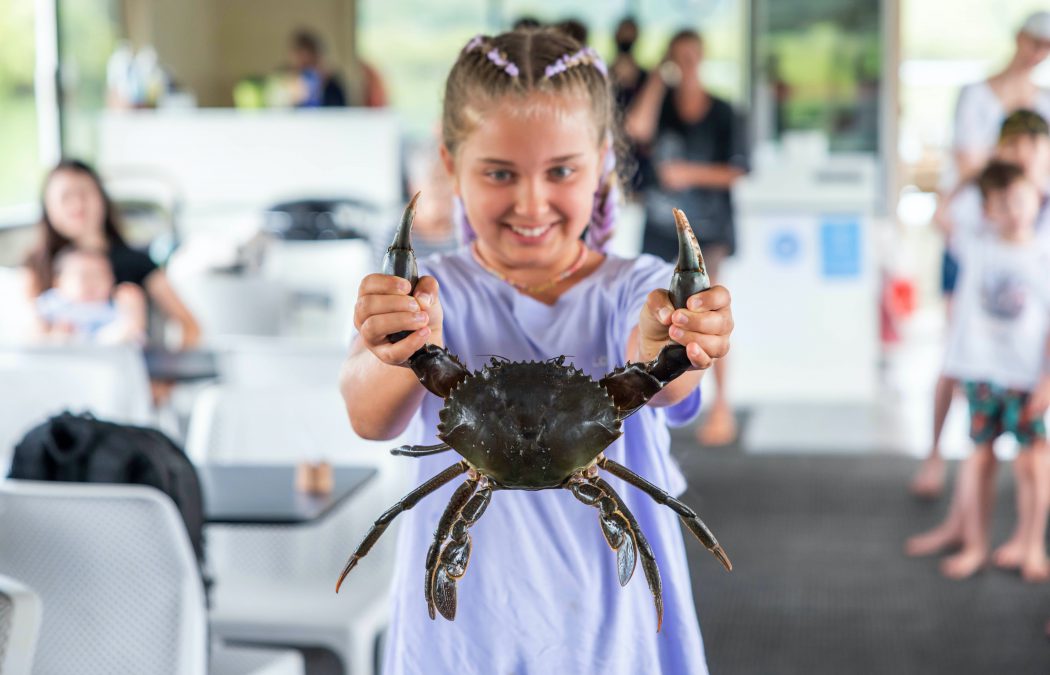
(449, 163)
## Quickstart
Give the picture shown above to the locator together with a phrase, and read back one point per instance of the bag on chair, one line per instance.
(82, 449)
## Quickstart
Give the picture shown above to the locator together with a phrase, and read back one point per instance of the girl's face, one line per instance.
(527, 175)
(74, 206)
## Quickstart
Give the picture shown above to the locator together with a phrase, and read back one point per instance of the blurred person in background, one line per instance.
(699, 149)
(321, 87)
(1024, 140)
(78, 214)
(979, 112)
(575, 29)
(999, 345)
(628, 78)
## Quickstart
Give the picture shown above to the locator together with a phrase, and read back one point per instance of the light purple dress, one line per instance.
(541, 593)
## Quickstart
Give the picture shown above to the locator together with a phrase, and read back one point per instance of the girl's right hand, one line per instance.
(384, 306)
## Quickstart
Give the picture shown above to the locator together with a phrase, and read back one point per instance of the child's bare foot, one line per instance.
(928, 482)
(1036, 568)
(933, 541)
(964, 564)
(1010, 555)
(720, 427)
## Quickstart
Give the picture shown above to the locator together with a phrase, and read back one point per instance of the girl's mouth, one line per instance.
(532, 233)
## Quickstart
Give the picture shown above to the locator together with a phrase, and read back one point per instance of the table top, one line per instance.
(265, 494)
(162, 364)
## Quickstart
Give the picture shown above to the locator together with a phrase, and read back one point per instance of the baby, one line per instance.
(85, 305)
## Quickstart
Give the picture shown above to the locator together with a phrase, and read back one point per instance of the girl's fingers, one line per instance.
(700, 347)
(375, 328)
(714, 298)
(711, 323)
(398, 353)
(372, 305)
(384, 284)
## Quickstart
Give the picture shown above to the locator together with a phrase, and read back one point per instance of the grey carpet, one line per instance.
(820, 583)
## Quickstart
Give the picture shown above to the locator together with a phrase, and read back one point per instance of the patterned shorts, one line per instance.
(994, 410)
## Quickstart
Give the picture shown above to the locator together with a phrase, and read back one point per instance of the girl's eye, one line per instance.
(562, 172)
(499, 175)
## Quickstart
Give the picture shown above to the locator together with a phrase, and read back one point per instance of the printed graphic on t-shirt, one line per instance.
(1003, 295)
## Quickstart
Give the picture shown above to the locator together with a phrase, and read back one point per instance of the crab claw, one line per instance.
(690, 274)
(400, 259)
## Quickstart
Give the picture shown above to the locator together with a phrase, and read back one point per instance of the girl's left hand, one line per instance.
(703, 327)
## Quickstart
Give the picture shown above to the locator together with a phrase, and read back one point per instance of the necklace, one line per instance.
(537, 288)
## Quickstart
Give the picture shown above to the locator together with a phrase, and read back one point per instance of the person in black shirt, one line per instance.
(77, 213)
(699, 149)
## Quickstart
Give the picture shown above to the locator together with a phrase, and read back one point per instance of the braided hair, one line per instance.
(519, 63)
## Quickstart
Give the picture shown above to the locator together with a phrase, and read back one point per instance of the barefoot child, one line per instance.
(999, 347)
(527, 126)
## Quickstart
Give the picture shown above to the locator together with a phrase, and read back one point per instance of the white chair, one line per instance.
(276, 584)
(231, 304)
(37, 382)
(250, 361)
(116, 573)
(322, 278)
(19, 626)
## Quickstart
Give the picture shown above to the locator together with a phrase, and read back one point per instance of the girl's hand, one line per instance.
(703, 327)
(384, 307)
(1039, 401)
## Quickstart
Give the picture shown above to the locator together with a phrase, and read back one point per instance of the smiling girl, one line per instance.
(527, 128)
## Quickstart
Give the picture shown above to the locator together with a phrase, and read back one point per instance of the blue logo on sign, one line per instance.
(785, 246)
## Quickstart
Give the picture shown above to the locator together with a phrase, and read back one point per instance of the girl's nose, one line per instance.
(531, 199)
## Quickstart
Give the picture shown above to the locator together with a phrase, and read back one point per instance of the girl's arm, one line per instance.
(169, 303)
(703, 328)
(380, 395)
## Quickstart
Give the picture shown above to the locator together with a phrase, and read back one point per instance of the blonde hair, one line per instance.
(527, 61)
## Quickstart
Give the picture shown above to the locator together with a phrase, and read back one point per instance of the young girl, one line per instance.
(77, 213)
(528, 118)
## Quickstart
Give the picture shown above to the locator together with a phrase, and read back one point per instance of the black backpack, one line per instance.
(82, 449)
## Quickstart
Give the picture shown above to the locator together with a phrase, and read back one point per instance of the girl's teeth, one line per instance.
(529, 231)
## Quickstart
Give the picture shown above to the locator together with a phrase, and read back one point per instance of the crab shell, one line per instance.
(529, 425)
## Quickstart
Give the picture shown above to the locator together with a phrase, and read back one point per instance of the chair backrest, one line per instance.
(249, 361)
(230, 304)
(38, 382)
(19, 626)
(114, 569)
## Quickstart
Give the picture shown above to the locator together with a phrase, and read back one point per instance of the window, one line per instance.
(20, 166)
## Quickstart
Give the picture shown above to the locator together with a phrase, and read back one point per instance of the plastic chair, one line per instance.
(37, 382)
(114, 568)
(276, 584)
(19, 626)
(248, 361)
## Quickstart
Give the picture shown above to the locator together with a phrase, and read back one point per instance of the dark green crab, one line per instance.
(536, 426)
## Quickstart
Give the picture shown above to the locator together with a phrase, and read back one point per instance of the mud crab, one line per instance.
(536, 426)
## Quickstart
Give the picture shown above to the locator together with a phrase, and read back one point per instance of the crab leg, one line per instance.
(652, 572)
(437, 369)
(615, 525)
(448, 517)
(452, 563)
(635, 383)
(420, 450)
(688, 516)
(410, 500)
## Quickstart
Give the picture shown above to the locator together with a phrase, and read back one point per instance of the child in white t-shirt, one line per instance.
(999, 347)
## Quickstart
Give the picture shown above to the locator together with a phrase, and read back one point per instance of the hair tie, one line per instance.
(584, 55)
(497, 57)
